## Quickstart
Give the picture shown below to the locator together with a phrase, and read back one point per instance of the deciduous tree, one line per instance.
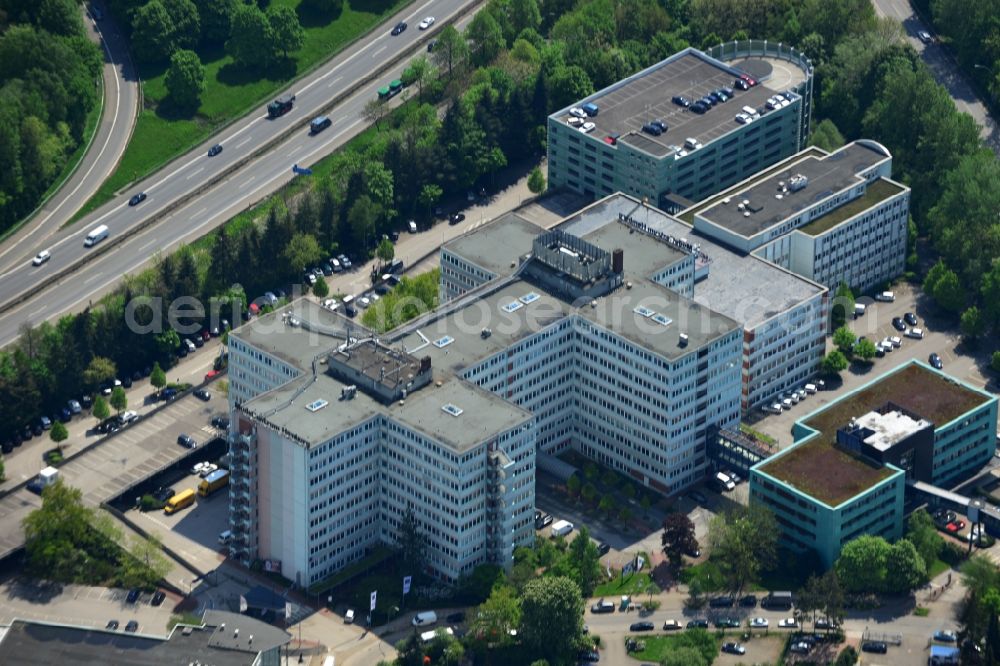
(536, 181)
(744, 542)
(251, 37)
(286, 31)
(865, 350)
(185, 79)
(100, 410)
(551, 616)
(861, 566)
(905, 570)
(158, 378)
(152, 32)
(678, 538)
(58, 434)
(582, 555)
(118, 399)
(844, 339)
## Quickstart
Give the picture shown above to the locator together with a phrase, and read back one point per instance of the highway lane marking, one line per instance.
(195, 173)
(93, 277)
(204, 208)
(380, 51)
(243, 142)
(148, 245)
(294, 150)
(330, 85)
(248, 181)
(37, 312)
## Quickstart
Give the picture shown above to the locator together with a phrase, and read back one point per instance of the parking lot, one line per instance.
(876, 324)
(81, 605)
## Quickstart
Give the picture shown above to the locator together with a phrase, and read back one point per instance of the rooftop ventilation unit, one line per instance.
(643, 311)
(797, 182)
(317, 405)
(663, 320)
(530, 297)
(485, 333)
(454, 410)
(513, 306)
(348, 392)
(726, 200)
(441, 343)
(682, 340)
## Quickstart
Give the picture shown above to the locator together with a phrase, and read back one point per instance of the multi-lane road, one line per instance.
(196, 193)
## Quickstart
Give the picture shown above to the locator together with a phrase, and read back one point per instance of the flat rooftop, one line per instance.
(648, 315)
(890, 428)
(823, 471)
(826, 176)
(37, 643)
(497, 246)
(628, 105)
(744, 288)
(876, 192)
(820, 469)
(312, 410)
(297, 346)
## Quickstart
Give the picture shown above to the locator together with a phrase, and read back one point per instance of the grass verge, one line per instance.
(658, 647)
(162, 133)
(635, 584)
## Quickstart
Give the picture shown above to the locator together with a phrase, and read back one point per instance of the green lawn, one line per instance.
(636, 584)
(707, 573)
(162, 133)
(938, 567)
(658, 647)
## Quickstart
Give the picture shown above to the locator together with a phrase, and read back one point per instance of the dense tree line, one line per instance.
(49, 82)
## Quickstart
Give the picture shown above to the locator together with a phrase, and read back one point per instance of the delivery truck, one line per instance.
(181, 500)
(213, 482)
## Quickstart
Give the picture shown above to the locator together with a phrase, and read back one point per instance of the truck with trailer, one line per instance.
(280, 106)
(213, 482)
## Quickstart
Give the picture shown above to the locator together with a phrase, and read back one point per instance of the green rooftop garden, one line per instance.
(877, 192)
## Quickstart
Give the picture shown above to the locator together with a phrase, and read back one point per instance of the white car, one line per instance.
(128, 417)
(788, 623)
(887, 345)
(364, 302)
(578, 112)
(426, 23)
(207, 469)
(41, 258)
(759, 623)
(742, 118)
(198, 467)
(573, 121)
(896, 341)
(587, 127)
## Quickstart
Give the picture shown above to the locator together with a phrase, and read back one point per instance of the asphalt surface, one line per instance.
(944, 68)
(239, 188)
(121, 102)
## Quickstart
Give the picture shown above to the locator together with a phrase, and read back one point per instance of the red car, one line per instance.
(212, 374)
(749, 79)
(954, 526)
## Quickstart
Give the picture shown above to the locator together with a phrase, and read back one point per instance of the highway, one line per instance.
(121, 102)
(944, 68)
(184, 199)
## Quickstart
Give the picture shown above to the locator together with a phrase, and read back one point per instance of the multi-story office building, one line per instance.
(782, 314)
(847, 472)
(621, 146)
(830, 217)
(338, 433)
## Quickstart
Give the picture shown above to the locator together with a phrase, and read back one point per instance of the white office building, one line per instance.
(830, 217)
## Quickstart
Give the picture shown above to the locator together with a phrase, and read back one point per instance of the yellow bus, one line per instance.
(181, 500)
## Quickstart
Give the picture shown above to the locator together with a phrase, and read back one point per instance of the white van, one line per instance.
(348, 299)
(428, 636)
(225, 537)
(886, 297)
(859, 310)
(561, 528)
(424, 618)
(723, 482)
(96, 236)
(917, 333)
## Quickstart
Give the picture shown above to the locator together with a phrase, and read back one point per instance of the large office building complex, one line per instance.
(848, 470)
(639, 137)
(783, 315)
(339, 432)
(831, 217)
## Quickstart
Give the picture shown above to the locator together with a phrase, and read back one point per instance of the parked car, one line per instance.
(945, 636)
(456, 218)
(162, 494)
(935, 361)
(910, 318)
(722, 601)
(186, 441)
(132, 596)
(455, 618)
(221, 422)
(788, 623)
(759, 623)
(733, 648)
(672, 625)
(876, 647)
(603, 606)
(112, 625)
(603, 548)
(132, 626)
(202, 394)
(158, 598)
(699, 623)
(801, 647)
(727, 623)
(641, 626)
(925, 37)
(898, 324)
